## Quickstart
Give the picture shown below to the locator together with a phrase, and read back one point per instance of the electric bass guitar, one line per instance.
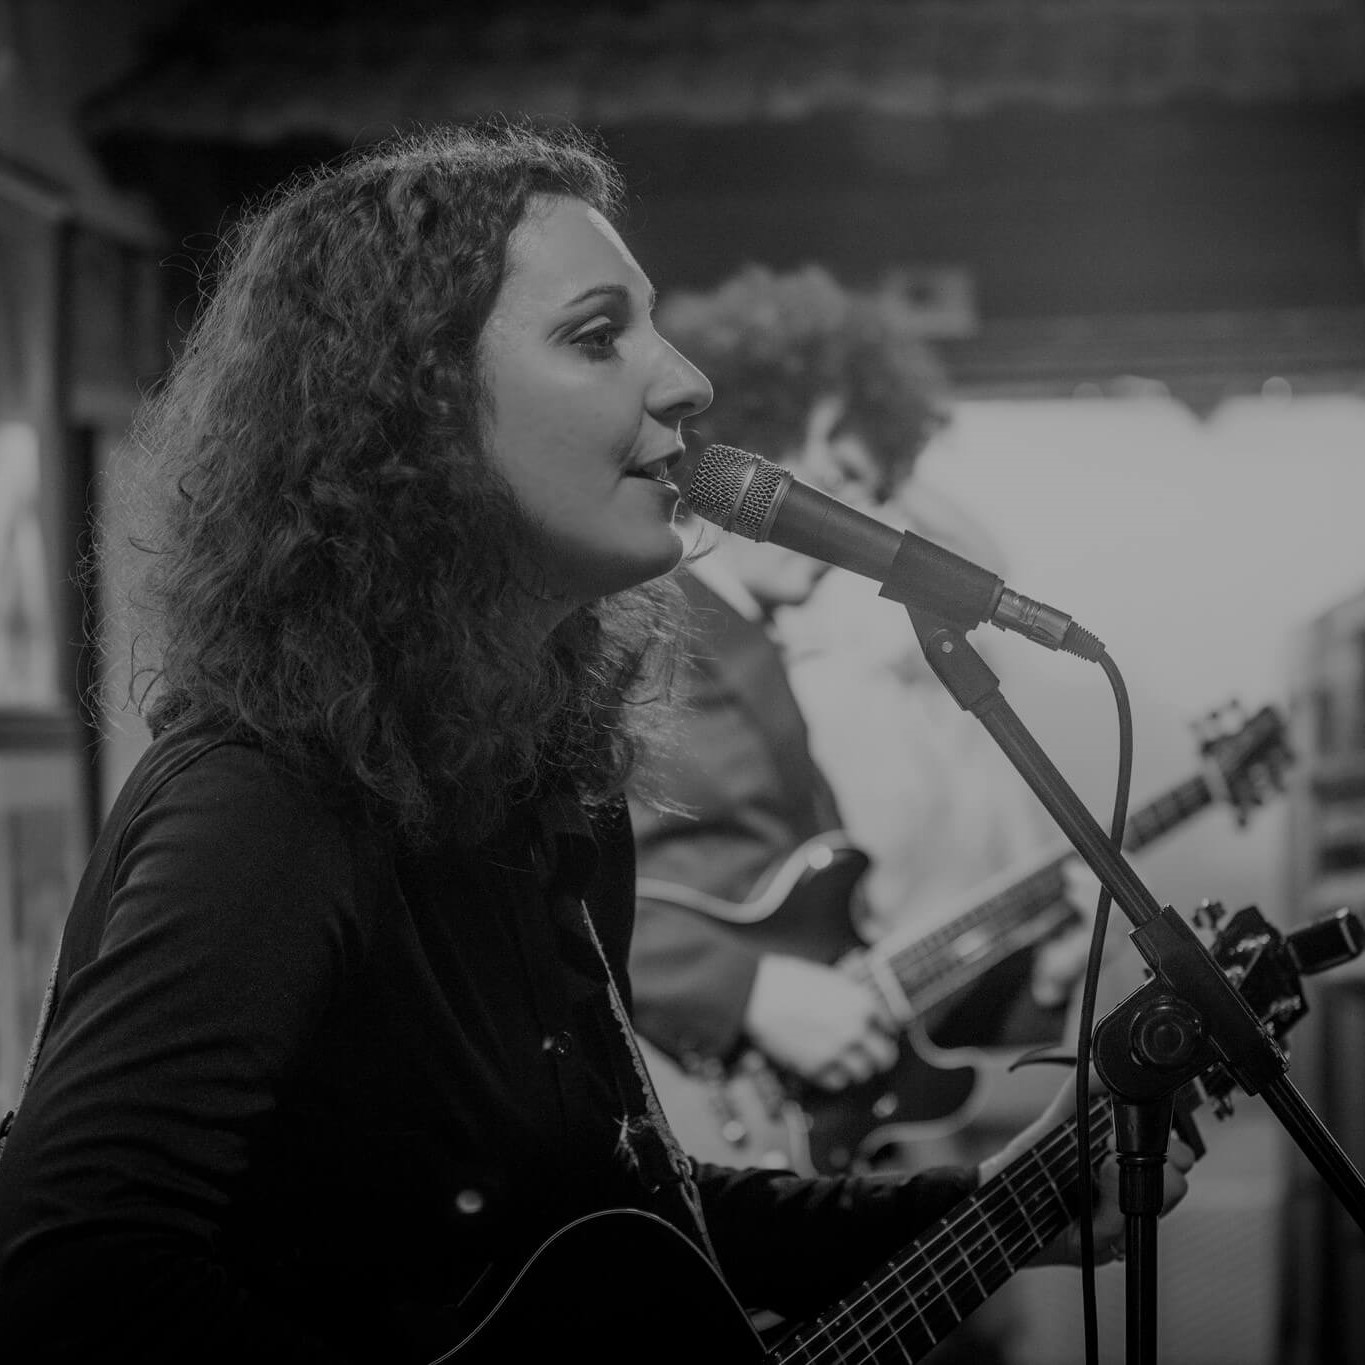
(624, 1285)
(752, 1115)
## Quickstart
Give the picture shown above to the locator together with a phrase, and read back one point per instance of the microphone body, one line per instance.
(758, 499)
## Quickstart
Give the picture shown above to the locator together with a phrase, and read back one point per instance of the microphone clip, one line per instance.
(963, 594)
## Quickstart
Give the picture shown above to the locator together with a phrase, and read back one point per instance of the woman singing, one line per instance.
(341, 1027)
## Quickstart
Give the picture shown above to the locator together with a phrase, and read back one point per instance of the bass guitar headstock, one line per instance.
(1244, 757)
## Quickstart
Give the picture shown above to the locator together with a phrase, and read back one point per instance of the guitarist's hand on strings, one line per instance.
(818, 1022)
(1109, 1223)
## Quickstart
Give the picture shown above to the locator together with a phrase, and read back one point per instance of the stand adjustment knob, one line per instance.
(1165, 1034)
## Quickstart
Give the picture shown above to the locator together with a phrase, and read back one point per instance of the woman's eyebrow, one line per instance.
(619, 292)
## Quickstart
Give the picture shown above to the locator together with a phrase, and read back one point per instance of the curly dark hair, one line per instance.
(771, 343)
(337, 567)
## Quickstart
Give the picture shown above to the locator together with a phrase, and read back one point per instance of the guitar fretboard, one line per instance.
(946, 960)
(919, 1296)
(1165, 813)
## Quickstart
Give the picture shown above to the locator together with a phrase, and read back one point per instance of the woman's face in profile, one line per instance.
(586, 402)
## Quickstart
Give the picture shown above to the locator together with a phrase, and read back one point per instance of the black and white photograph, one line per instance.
(682, 680)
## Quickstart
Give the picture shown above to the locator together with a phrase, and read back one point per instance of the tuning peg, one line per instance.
(1208, 913)
(1218, 721)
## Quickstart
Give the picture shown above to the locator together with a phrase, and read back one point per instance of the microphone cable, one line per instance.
(1086, 1021)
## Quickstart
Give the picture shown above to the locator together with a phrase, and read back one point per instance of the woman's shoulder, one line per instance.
(208, 821)
(213, 752)
(218, 778)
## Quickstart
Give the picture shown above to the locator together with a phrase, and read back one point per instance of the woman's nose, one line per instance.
(681, 389)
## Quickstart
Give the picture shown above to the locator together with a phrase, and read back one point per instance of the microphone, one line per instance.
(761, 500)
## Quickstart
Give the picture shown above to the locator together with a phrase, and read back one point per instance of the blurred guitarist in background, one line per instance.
(838, 388)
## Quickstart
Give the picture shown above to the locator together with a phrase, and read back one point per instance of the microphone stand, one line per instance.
(1187, 1017)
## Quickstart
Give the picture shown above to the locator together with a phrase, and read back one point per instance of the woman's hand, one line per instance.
(1109, 1222)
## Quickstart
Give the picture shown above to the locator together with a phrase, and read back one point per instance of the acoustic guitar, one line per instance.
(624, 1285)
(752, 1115)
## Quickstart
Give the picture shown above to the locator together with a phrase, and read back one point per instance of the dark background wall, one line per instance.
(1119, 161)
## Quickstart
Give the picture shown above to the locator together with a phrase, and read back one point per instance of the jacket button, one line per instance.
(469, 1202)
(557, 1044)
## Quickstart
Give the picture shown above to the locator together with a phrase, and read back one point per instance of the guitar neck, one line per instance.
(928, 968)
(1165, 813)
(920, 1295)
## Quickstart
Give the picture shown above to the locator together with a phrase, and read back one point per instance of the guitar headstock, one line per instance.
(1267, 968)
(1244, 758)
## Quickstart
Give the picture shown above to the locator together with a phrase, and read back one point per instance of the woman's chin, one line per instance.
(631, 570)
(679, 548)
(660, 561)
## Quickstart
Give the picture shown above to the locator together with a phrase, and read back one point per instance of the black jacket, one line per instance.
(301, 1089)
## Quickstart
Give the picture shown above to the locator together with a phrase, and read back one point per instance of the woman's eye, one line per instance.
(599, 341)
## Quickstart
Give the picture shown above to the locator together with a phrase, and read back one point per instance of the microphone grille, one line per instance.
(736, 490)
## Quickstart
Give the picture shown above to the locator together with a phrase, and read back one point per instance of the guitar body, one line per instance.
(927, 1092)
(744, 1116)
(805, 905)
(613, 1286)
(751, 1116)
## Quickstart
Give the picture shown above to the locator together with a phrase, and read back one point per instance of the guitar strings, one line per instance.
(1013, 1240)
(1017, 1234)
(946, 981)
(998, 1250)
(947, 978)
(1016, 1239)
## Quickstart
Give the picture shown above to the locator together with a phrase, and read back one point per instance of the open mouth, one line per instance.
(656, 472)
